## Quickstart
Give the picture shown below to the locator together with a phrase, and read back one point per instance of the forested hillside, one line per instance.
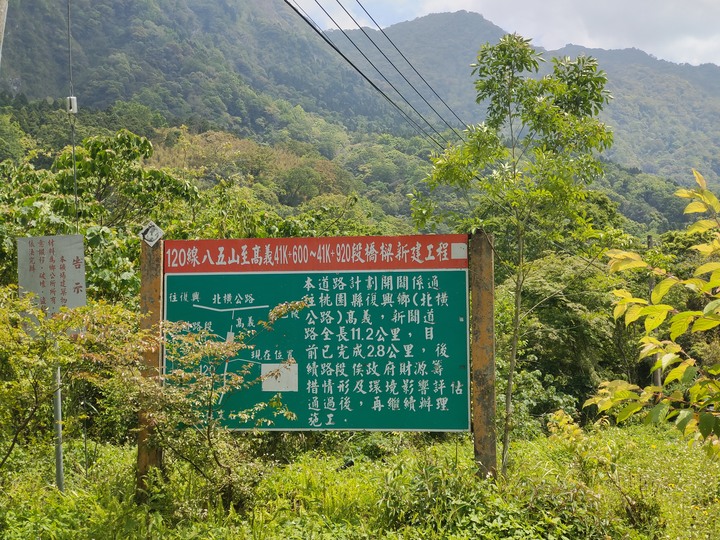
(207, 60)
(664, 115)
(215, 64)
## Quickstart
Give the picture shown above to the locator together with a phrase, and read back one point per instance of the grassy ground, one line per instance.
(636, 482)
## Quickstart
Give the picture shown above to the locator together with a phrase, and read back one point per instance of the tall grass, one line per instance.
(638, 483)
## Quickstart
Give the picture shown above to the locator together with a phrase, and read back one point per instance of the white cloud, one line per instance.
(680, 31)
(675, 30)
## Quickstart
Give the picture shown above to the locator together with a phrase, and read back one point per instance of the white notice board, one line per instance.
(53, 269)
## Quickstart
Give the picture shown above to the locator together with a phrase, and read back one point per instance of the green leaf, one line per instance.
(707, 268)
(704, 249)
(706, 424)
(662, 288)
(703, 324)
(711, 307)
(681, 322)
(658, 413)
(683, 419)
(622, 293)
(700, 179)
(702, 226)
(710, 199)
(633, 314)
(696, 394)
(619, 385)
(623, 395)
(676, 373)
(714, 369)
(685, 193)
(665, 361)
(689, 375)
(713, 282)
(593, 401)
(628, 411)
(696, 207)
(620, 265)
(653, 321)
(655, 315)
(604, 404)
(624, 260)
(695, 284)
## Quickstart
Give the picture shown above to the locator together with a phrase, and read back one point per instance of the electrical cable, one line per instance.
(72, 110)
(407, 102)
(316, 28)
(499, 204)
(412, 66)
(369, 37)
(71, 118)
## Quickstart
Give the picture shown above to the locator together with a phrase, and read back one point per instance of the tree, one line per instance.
(14, 143)
(108, 350)
(569, 335)
(114, 195)
(298, 185)
(689, 392)
(524, 169)
(113, 186)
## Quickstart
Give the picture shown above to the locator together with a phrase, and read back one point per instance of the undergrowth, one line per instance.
(638, 483)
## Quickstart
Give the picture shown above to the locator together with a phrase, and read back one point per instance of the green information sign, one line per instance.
(382, 344)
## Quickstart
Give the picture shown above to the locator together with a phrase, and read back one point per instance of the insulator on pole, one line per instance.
(72, 107)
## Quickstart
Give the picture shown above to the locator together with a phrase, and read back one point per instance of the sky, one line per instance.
(682, 31)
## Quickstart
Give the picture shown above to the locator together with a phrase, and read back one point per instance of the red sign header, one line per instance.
(419, 252)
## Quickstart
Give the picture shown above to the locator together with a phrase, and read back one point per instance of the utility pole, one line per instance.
(3, 18)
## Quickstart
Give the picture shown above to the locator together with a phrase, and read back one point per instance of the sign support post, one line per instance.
(482, 288)
(57, 413)
(151, 260)
(53, 268)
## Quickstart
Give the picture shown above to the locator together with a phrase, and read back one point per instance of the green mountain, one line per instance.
(216, 63)
(665, 116)
(207, 59)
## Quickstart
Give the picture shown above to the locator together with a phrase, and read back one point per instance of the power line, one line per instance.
(316, 28)
(411, 65)
(369, 61)
(369, 37)
(72, 110)
(498, 203)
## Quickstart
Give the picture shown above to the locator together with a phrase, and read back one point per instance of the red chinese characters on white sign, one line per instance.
(53, 269)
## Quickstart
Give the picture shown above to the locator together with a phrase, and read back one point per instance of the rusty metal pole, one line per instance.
(482, 352)
(151, 261)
